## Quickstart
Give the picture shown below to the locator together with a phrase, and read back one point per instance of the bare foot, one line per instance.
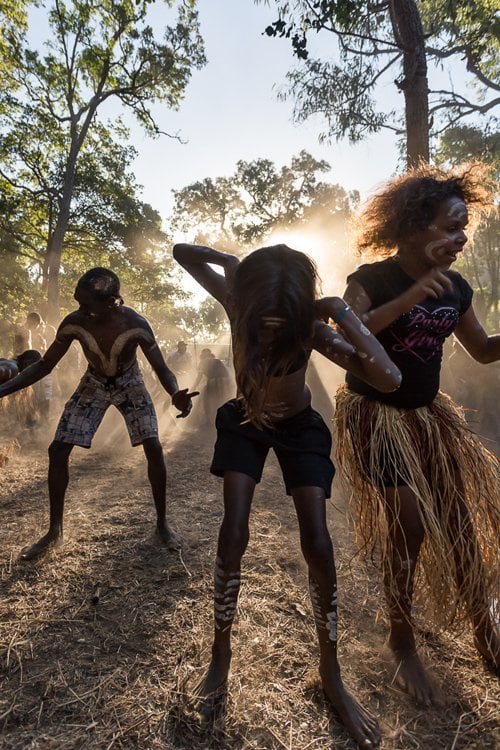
(412, 677)
(212, 690)
(47, 542)
(169, 537)
(358, 722)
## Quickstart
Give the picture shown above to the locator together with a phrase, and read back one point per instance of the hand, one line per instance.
(182, 401)
(433, 284)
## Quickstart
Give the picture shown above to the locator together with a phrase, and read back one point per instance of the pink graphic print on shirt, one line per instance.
(422, 332)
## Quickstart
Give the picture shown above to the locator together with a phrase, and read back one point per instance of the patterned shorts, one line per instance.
(84, 411)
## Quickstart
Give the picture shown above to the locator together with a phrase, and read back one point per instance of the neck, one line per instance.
(411, 266)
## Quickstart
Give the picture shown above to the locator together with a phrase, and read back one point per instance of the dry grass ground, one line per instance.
(103, 641)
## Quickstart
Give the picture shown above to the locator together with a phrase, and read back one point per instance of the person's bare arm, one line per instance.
(37, 370)
(361, 354)
(434, 284)
(181, 399)
(197, 261)
(475, 340)
(199, 378)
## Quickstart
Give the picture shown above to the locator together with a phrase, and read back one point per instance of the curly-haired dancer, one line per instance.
(425, 488)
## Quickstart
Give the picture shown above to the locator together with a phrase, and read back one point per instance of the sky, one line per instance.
(230, 112)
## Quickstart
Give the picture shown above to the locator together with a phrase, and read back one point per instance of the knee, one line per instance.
(317, 550)
(59, 452)
(153, 450)
(233, 541)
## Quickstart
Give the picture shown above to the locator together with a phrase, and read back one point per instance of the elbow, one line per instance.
(178, 251)
(391, 380)
(485, 358)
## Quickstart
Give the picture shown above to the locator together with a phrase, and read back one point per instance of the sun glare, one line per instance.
(333, 261)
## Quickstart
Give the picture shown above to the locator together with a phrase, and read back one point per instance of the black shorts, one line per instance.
(302, 445)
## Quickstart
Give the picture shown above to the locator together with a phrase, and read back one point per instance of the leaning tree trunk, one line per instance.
(409, 34)
(56, 240)
(54, 253)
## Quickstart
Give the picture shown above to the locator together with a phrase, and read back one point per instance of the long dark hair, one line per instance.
(273, 281)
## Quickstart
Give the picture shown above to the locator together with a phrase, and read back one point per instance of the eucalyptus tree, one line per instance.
(96, 52)
(240, 210)
(13, 25)
(108, 225)
(392, 42)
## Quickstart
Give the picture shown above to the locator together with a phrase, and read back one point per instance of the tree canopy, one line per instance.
(398, 41)
(53, 136)
(240, 210)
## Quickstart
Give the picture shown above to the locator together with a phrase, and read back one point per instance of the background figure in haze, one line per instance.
(219, 385)
(43, 390)
(270, 301)
(181, 362)
(109, 334)
(425, 488)
(19, 408)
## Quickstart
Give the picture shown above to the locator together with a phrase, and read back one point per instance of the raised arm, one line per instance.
(433, 284)
(37, 370)
(197, 261)
(361, 353)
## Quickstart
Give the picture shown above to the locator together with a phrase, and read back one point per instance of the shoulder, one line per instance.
(458, 280)
(67, 326)
(463, 290)
(133, 318)
(367, 271)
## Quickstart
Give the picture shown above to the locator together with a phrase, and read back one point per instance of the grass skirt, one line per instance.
(456, 482)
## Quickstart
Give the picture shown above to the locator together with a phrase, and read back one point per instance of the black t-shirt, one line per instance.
(415, 340)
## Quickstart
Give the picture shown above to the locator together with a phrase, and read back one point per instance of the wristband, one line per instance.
(341, 314)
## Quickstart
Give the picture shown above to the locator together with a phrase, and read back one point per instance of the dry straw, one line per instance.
(103, 642)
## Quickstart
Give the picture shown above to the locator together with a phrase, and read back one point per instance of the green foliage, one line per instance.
(13, 24)
(64, 172)
(346, 88)
(206, 322)
(241, 210)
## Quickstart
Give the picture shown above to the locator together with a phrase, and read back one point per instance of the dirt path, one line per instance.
(102, 643)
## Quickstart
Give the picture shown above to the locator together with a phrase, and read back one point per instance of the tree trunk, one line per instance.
(56, 240)
(409, 35)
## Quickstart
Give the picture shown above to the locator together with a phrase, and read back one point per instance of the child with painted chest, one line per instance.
(270, 301)
(425, 488)
(109, 334)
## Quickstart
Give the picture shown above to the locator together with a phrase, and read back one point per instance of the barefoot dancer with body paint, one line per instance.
(109, 334)
(425, 488)
(270, 301)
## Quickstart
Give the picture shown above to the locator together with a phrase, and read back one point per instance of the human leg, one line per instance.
(157, 475)
(317, 549)
(406, 534)
(58, 478)
(470, 576)
(232, 543)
